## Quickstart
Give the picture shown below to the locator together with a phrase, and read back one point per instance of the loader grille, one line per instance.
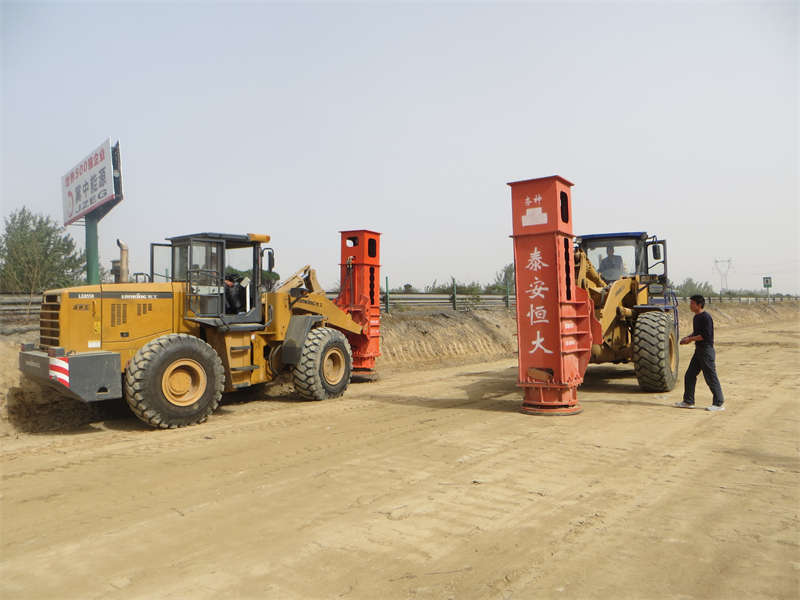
(119, 314)
(49, 329)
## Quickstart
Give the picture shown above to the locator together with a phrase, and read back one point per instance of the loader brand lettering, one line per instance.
(120, 295)
(311, 302)
(137, 295)
(30, 363)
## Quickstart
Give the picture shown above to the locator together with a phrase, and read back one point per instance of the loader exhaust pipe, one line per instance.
(123, 261)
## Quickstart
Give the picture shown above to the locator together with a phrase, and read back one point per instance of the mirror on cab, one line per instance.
(656, 251)
(270, 258)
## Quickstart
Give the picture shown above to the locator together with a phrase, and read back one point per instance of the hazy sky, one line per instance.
(299, 120)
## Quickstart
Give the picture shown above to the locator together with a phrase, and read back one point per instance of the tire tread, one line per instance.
(138, 372)
(651, 334)
(306, 374)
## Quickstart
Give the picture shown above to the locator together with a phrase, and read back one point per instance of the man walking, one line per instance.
(703, 359)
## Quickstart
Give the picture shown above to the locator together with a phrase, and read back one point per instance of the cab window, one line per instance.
(613, 259)
(180, 262)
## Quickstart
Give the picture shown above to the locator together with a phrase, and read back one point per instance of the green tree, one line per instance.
(690, 287)
(36, 253)
(503, 279)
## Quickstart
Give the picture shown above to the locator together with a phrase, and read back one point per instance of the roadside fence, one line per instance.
(23, 307)
(462, 302)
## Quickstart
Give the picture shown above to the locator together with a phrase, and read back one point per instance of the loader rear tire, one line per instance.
(174, 381)
(655, 352)
(325, 364)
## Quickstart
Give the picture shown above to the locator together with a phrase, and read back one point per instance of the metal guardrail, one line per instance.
(500, 301)
(447, 301)
(16, 306)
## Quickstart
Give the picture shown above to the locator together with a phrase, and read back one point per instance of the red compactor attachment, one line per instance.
(553, 314)
(360, 293)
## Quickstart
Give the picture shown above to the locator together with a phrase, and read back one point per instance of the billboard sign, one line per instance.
(767, 282)
(89, 184)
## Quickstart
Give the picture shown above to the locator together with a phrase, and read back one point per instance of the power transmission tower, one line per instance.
(722, 266)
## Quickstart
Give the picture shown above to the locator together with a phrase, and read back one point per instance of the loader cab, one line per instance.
(626, 254)
(203, 261)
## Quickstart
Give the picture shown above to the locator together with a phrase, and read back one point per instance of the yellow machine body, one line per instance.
(123, 317)
(634, 313)
(165, 345)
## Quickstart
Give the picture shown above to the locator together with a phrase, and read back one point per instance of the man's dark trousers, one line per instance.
(704, 360)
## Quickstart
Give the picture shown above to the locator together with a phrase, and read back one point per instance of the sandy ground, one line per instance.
(427, 483)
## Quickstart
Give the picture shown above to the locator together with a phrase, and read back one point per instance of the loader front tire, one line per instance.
(174, 381)
(655, 352)
(325, 364)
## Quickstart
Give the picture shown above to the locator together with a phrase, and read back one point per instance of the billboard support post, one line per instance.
(92, 258)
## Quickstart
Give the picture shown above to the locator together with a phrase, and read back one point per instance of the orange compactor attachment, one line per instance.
(360, 293)
(553, 328)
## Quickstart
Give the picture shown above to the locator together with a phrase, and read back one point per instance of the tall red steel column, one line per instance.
(360, 293)
(553, 326)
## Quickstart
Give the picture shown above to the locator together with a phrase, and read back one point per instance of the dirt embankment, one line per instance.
(411, 339)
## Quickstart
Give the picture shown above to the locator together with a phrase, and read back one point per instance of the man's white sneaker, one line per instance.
(715, 407)
(683, 405)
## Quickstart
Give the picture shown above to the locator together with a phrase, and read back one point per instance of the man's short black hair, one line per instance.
(699, 300)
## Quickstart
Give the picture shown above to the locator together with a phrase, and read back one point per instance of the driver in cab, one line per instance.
(234, 295)
(611, 265)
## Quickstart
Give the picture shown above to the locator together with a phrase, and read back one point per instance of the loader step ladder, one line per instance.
(239, 358)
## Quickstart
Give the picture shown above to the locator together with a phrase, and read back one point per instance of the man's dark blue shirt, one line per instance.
(704, 325)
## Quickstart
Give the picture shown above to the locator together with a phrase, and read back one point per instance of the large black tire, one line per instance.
(655, 352)
(325, 364)
(174, 381)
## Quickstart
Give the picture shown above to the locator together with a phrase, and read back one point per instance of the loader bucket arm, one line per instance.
(586, 275)
(607, 299)
(311, 298)
(305, 277)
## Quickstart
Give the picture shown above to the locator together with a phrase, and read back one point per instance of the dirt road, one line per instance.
(426, 484)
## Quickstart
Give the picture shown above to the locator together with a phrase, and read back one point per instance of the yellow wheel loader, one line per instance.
(208, 318)
(635, 311)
